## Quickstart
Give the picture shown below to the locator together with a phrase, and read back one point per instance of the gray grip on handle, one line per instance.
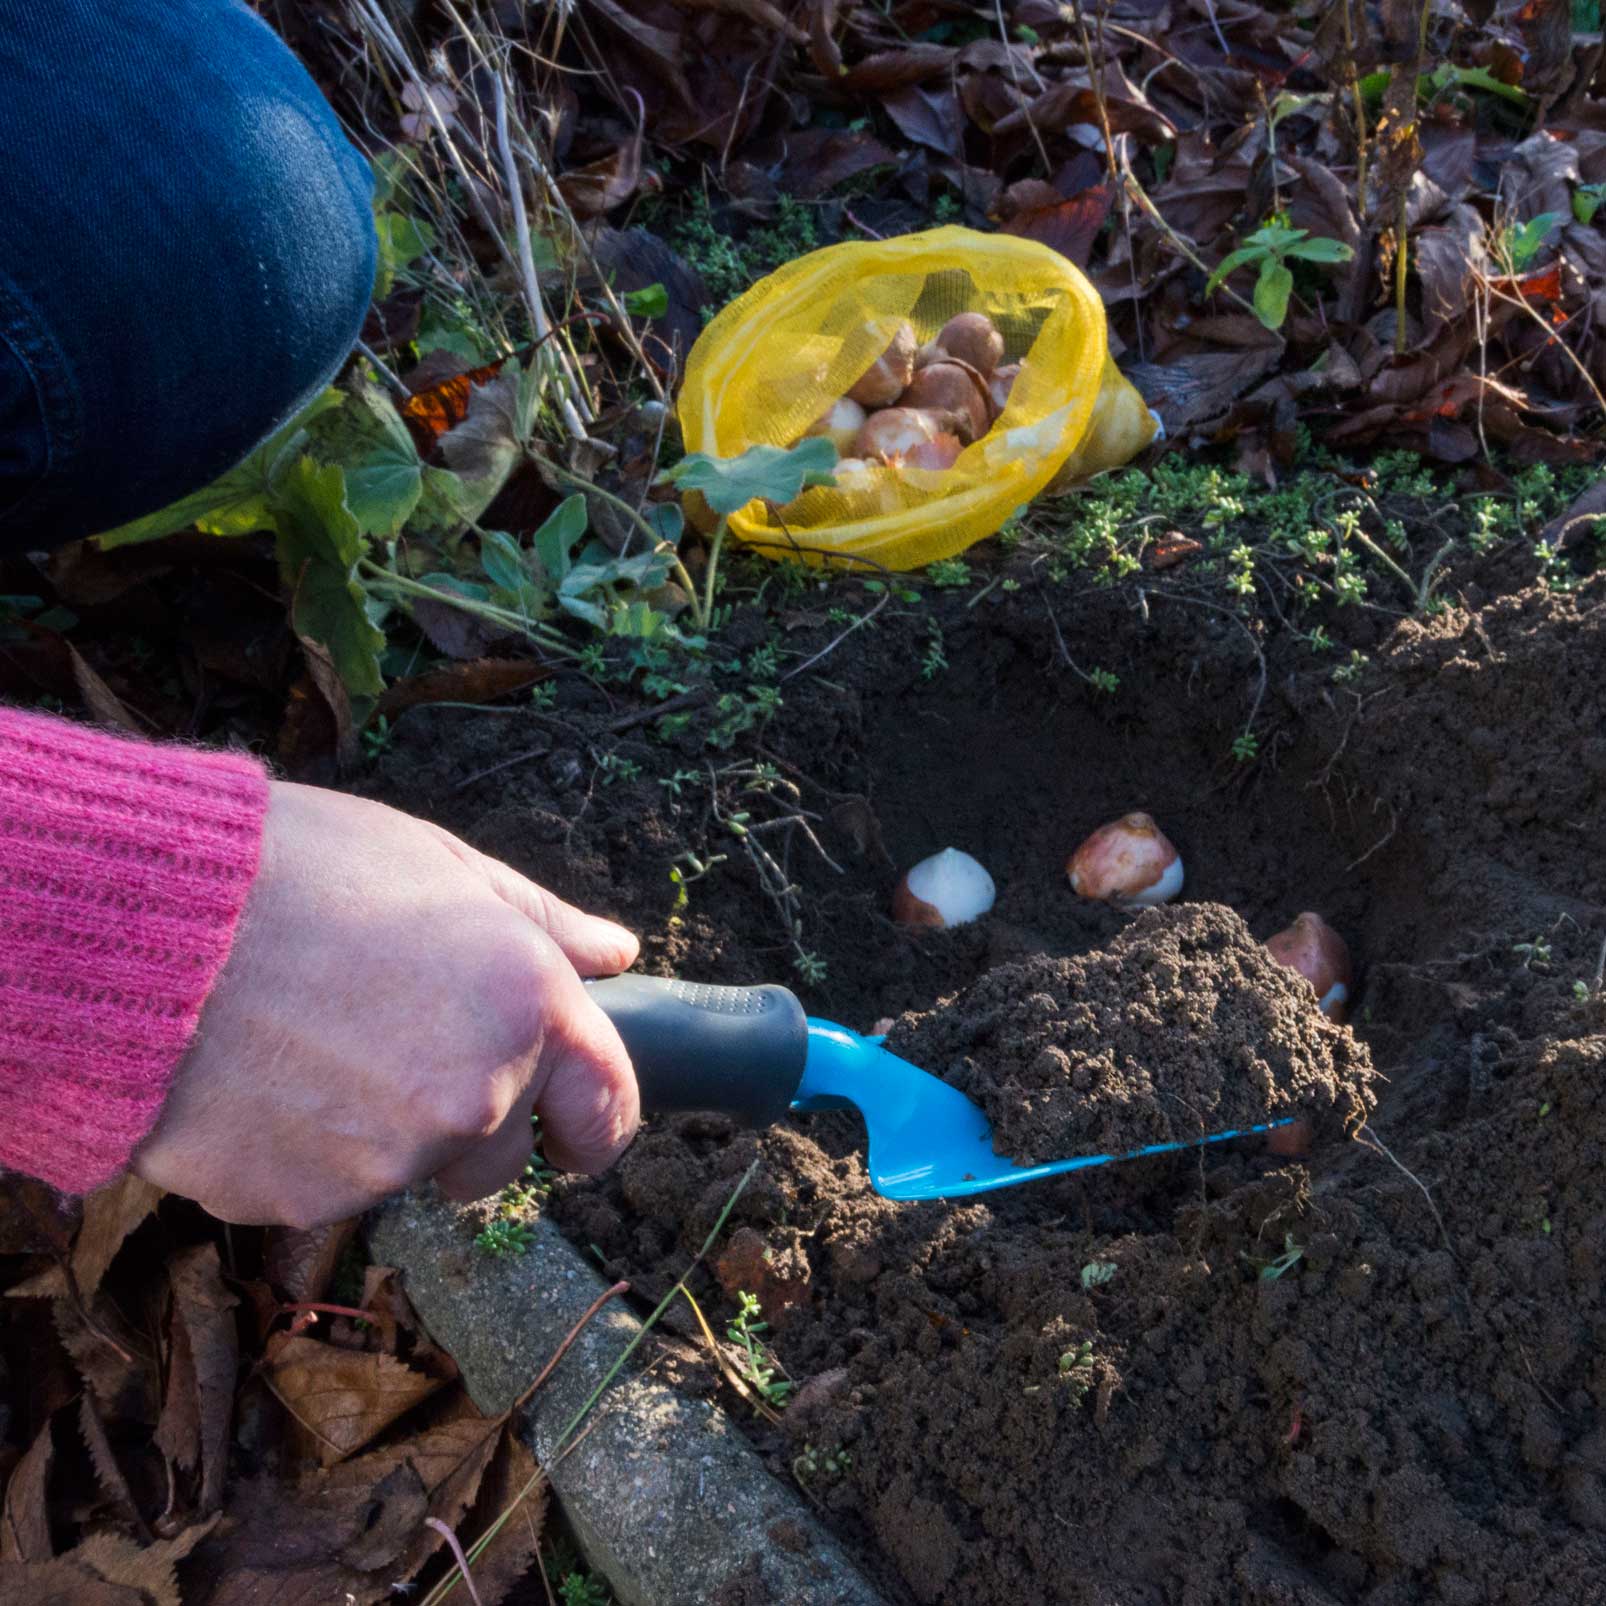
(739, 1050)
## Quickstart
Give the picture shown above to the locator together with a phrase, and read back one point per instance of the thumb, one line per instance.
(584, 1087)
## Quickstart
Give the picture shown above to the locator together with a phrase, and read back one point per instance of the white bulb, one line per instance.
(951, 884)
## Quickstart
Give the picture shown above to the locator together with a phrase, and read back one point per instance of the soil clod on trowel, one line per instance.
(1183, 1026)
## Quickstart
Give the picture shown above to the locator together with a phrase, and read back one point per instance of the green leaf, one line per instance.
(666, 520)
(1526, 241)
(402, 240)
(1272, 290)
(383, 488)
(1242, 257)
(557, 538)
(652, 301)
(544, 253)
(319, 546)
(503, 561)
(239, 502)
(761, 473)
(1321, 249)
(1471, 78)
(1275, 237)
(1587, 201)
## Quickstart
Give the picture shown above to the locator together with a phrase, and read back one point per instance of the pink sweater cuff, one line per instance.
(124, 866)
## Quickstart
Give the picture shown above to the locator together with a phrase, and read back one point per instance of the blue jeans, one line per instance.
(186, 254)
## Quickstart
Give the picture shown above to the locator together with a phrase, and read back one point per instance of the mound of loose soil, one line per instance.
(1183, 1026)
(1211, 1377)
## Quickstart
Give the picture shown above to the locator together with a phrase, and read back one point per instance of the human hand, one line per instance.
(394, 1006)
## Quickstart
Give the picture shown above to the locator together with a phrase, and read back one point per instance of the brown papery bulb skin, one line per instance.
(973, 337)
(946, 387)
(888, 376)
(1291, 1141)
(908, 910)
(891, 434)
(938, 455)
(1130, 862)
(1321, 956)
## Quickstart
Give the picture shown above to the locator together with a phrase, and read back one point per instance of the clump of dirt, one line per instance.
(1183, 1026)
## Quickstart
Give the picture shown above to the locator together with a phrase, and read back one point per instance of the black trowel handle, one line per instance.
(738, 1050)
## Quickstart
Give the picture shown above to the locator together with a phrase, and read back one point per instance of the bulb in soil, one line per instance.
(1320, 955)
(888, 376)
(1291, 1141)
(1129, 862)
(973, 337)
(939, 454)
(948, 889)
(840, 424)
(953, 389)
(1001, 383)
(890, 435)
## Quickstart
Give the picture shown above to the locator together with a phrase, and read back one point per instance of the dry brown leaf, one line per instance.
(331, 688)
(24, 1518)
(478, 681)
(499, 1567)
(111, 1214)
(450, 1460)
(108, 1470)
(35, 1219)
(300, 1261)
(104, 705)
(280, 1546)
(1070, 227)
(896, 69)
(111, 1359)
(761, 13)
(178, 1431)
(1448, 258)
(343, 1398)
(147, 1568)
(929, 116)
(203, 1313)
(61, 1583)
(661, 45)
(610, 181)
(395, 1512)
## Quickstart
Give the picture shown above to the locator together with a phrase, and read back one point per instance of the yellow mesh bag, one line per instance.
(777, 357)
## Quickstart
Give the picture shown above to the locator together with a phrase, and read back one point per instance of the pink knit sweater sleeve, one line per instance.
(124, 866)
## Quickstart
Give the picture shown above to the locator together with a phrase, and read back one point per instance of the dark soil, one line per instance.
(1372, 1379)
(1181, 1027)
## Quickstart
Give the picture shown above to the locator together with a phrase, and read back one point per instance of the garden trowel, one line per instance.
(752, 1053)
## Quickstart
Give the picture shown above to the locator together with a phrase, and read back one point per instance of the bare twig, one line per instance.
(457, 1555)
(1369, 1139)
(620, 1287)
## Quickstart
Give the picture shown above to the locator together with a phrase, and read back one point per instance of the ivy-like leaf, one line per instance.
(319, 546)
(761, 473)
(239, 502)
(383, 488)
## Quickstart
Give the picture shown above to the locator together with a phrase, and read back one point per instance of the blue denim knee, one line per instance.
(186, 254)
